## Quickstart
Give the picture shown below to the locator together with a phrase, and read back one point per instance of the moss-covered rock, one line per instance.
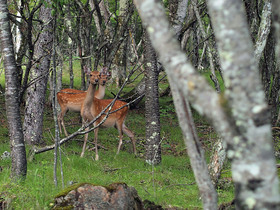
(90, 196)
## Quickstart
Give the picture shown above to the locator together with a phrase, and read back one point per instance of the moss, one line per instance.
(111, 188)
(64, 207)
(70, 188)
(224, 103)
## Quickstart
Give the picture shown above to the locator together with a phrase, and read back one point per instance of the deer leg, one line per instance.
(119, 127)
(130, 134)
(61, 121)
(85, 142)
(95, 142)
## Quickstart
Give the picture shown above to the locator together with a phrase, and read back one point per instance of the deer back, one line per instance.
(99, 105)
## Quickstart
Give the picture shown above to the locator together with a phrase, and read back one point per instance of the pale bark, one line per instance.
(19, 163)
(253, 163)
(217, 160)
(18, 36)
(95, 17)
(120, 58)
(179, 18)
(153, 16)
(264, 30)
(240, 116)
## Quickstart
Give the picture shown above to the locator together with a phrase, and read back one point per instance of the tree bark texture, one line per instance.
(253, 163)
(264, 30)
(269, 71)
(218, 157)
(276, 27)
(178, 12)
(152, 116)
(153, 16)
(33, 121)
(240, 115)
(19, 163)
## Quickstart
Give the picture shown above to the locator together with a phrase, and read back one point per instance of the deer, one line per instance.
(72, 99)
(93, 106)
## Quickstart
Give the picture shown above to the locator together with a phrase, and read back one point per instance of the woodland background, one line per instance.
(207, 73)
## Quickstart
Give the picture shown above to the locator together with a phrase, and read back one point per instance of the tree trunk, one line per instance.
(33, 121)
(264, 30)
(168, 48)
(19, 163)
(218, 156)
(276, 27)
(152, 116)
(120, 58)
(251, 152)
(270, 77)
(240, 116)
(71, 73)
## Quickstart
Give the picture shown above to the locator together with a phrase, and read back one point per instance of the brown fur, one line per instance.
(72, 99)
(92, 107)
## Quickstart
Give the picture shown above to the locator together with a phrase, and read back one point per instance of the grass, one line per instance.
(170, 184)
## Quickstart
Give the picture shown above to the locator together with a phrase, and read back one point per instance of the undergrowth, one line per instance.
(170, 184)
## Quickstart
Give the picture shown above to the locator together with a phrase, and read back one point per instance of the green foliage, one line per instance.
(170, 184)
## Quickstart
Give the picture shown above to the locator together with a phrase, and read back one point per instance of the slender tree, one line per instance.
(276, 27)
(153, 144)
(252, 157)
(19, 164)
(36, 93)
(168, 48)
(240, 115)
(84, 32)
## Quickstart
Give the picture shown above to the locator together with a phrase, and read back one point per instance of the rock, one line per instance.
(88, 196)
(5, 155)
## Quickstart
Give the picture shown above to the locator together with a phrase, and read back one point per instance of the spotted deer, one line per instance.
(92, 107)
(72, 99)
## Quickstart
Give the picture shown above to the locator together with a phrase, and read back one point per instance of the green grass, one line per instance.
(156, 184)
(170, 184)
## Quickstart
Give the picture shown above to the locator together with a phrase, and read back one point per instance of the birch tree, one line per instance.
(240, 115)
(195, 151)
(253, 163)
(19, 163)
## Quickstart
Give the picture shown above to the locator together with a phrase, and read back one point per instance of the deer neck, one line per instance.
(90, 96)
(100, 93)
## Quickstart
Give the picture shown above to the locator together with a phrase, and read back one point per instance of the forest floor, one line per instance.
(170, 184)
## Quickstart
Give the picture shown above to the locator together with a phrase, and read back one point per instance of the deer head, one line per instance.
(104, 75)
(94, 77)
